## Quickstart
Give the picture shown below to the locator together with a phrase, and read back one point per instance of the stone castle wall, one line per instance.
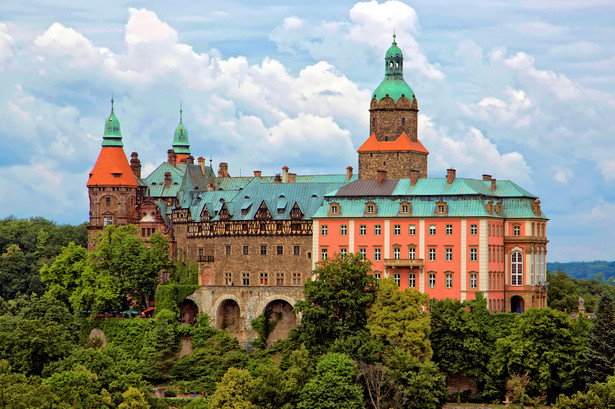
(397, 164)
(388, 119)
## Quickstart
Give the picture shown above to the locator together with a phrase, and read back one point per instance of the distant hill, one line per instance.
(600, 271)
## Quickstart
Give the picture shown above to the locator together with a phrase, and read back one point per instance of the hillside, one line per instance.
(597, 270)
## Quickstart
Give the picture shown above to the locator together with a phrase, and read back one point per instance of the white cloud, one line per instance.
(6, 46)
(516, 111)
(471, 153)
(363, 36)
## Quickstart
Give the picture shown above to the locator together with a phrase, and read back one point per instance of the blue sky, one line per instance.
(522, 90)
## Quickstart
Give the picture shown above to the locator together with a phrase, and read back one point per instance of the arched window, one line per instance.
(516, 268)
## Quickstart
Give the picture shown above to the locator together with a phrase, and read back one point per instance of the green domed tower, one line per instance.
(394, 108)
(181, 145)
(113, 133)
(393, 144)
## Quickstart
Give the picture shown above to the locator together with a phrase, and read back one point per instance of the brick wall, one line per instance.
(397, 164)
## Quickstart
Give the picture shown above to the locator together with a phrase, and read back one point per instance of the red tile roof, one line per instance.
(112, 168)
(403, 143)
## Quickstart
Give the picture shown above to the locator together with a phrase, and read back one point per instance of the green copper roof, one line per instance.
(393, 84)
(113, 134)
(181, 146)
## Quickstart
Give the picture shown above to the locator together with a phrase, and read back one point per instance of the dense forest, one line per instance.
(601, 271)
(361, 343)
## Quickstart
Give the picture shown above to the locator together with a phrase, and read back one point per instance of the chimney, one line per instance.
(190, 160)
(285, 174)
(171, 157)
(382, 176)
(450, 175)
(348, 172)
(211, 187)
(135, 164)
(257, 174)
(292, 178)
(486, 178)
(223, 170)
(414, 176)
(277, 179)
(167, 179)
(493, 185)
(201, 161)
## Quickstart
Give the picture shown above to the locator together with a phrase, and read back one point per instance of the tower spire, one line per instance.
(113, 134)
(181, 145)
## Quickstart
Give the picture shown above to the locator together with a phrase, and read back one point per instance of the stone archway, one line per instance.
(188, 311)
(282, 312)
(517, 304)
(228, 316)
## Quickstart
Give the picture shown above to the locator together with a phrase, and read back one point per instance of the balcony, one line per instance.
(402, 262)
(205, 259)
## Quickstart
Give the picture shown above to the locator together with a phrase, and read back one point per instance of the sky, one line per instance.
(523, 90)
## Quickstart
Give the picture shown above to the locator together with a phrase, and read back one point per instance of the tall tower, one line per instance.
(181, 145)
(112, 185)
(393, 145)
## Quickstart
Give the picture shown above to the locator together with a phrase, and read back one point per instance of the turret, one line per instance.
(181, 145)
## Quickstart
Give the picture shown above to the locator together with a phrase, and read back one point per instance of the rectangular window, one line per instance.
(472, 280)
(227, 249)
(412, 280)
(264, 278)
(279, 250)
(279, 279)
(296, 250)
(449, 254)
(370, 209)
(343, 230)
(412, 230)
(377, 276)
(396, 253)
(108, 221)
(473, 229)
(377, 230)
(245, 278)
(449, 281)
(473, 254)
(108, 201)
(449, 229)
(376, 254)
(143, 232)
(432, 229)
(363, 253)
(397, 279)
(404, 208)
(411, 253)
(343, 252)
(228, 280)
(432, 281)
(323, 254)
(323, 229)
(396, 229)
(432, 254)
(362, 230)
(516, 230)
(245, 250)
(296, 279)
(263, 249)
(201, 251)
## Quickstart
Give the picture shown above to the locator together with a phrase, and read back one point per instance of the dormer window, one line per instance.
(405, 208)
(371, 208)
(441, 208)
(335, 209)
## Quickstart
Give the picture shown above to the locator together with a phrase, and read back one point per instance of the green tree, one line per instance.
(336, 301)
(133, 399)
(43, 332)
(78, 387)
(399, 318)
(563, 292)
(419, 384)
(545, 345)
(234, 390)
(601, 395)
(63, 275)
(600, 352)
(333, 386)
(462, 337)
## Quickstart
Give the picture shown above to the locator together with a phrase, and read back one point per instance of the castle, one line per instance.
(256, 239)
